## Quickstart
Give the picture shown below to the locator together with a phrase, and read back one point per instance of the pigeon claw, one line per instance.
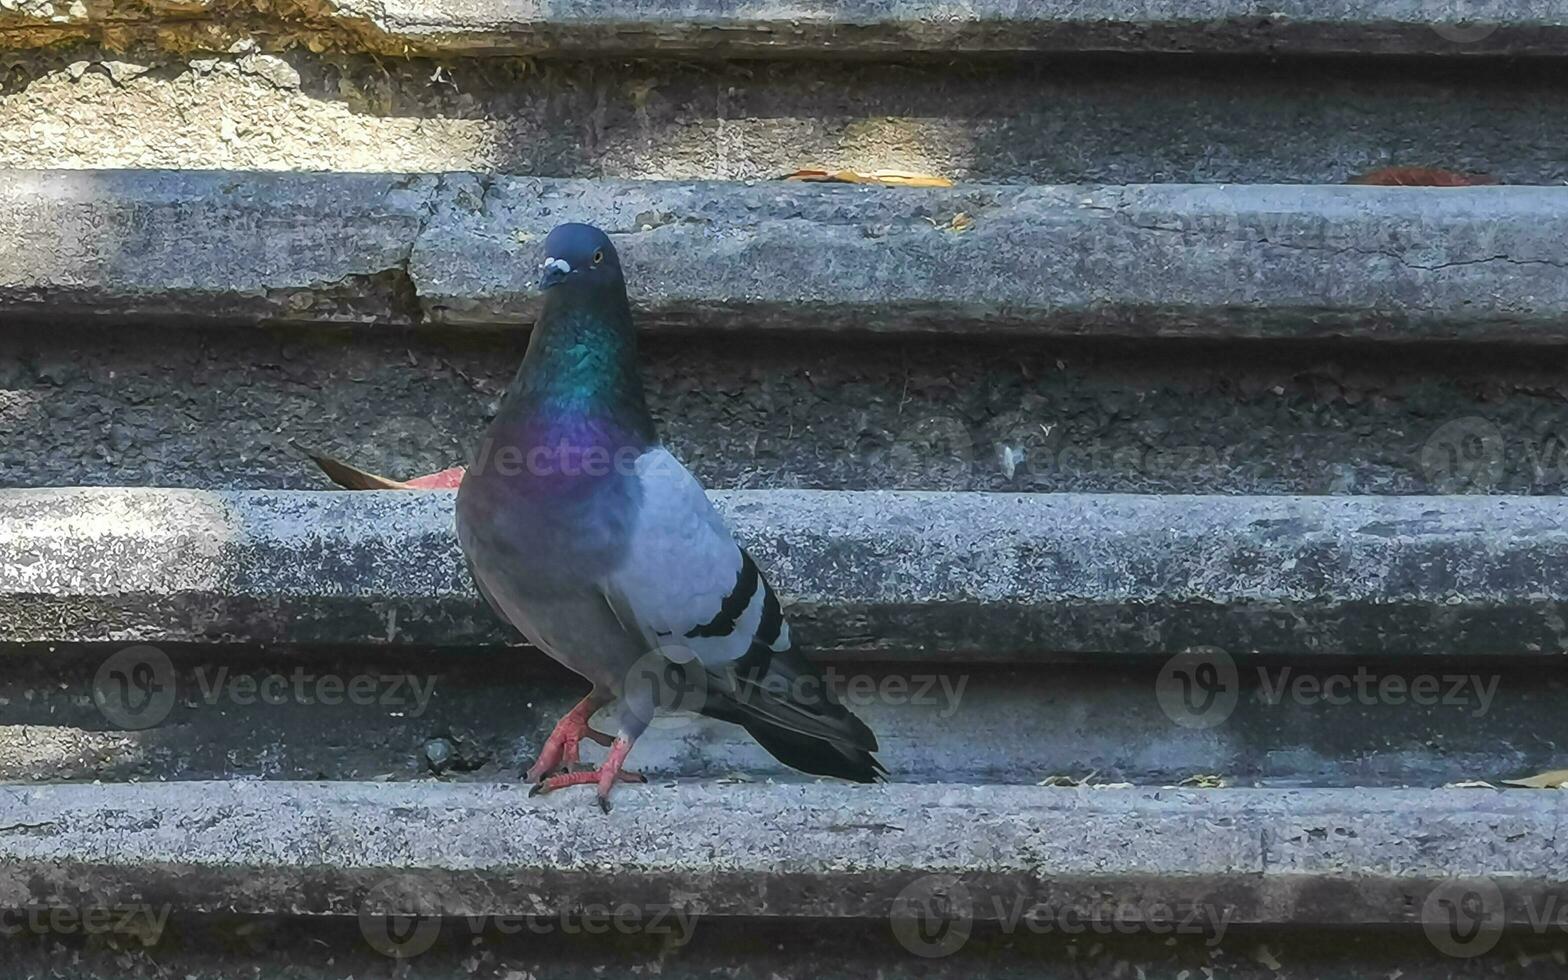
(600, 777)
(605, 777)
(560, 749)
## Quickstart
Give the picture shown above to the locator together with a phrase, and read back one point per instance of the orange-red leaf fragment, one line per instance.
(1422, 177)
(444, 480)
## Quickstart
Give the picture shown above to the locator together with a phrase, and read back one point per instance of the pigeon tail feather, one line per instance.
(817, 756)
(786, 704)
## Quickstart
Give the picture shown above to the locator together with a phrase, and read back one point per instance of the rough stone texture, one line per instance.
(211, 245)
(117, 405)
(1099, 120)
(1312, 857)
(974, 576)
(1145, 260)
(205, 947)
(811, 28)
(484, 717)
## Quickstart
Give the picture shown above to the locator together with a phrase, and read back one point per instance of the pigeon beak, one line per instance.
(553, 272)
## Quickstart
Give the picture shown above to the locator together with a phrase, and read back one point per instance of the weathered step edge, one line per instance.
(1264, 261)
(966, 576)
(852, 28)
(1327, 857)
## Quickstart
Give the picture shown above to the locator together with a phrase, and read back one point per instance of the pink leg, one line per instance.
(560, 749)
(605, 776)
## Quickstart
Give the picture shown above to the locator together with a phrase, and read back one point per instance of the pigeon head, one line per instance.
(579, 254)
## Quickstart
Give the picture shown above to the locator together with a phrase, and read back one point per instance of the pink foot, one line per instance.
(560, 749)
(606, 776)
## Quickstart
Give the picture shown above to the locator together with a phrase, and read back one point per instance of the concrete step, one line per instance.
(861, 28)
(979, 577)
(220, 712)
(1360, 857)
(1088, 120)
(1030, 330)
(1273, 262)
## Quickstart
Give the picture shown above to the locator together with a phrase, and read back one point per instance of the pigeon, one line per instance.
(590, 537)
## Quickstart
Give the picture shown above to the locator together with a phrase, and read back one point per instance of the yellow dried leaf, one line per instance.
(350, 477)
(891, 178)
(1554, 779)
(1081, 782)
(961, 222)
(1060, 781)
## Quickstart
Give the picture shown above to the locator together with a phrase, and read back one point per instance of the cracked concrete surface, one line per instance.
(1122, 261)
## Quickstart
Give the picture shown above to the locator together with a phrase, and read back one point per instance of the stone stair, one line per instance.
(1187, 521)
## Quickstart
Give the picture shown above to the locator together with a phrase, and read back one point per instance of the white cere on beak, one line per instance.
(558, 264)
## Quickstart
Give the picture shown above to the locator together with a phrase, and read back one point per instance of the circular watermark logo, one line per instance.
(135, 688)
(665, 687)
(1464, 917)
(933, 916)
(1461, 21)
(1464, 456)
(400, 920)
(934, 451)
(1198, 688)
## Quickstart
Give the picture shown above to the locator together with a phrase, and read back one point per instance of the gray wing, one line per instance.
(685, 583)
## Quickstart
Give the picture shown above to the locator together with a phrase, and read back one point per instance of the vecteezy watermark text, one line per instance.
(668, 684)
(935, 915)
(145, 922)
(1201, 688)
(1473, 692)
(409, 933)
(138, 687)
(300, 686)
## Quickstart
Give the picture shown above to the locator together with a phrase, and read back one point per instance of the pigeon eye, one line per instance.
(598, 256)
